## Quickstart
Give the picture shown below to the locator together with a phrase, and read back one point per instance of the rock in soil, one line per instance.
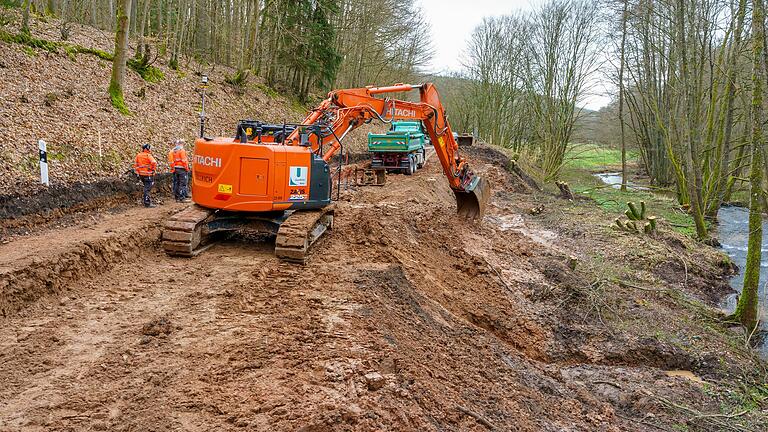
(157, 326)
(374, 380)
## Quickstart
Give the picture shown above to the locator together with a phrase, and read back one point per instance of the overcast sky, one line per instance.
(452, 23)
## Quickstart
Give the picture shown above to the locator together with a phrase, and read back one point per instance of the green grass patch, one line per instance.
(50, 46)
(77, 49)
(751, 397)
(740, 196)
(585, 159)
(614, 201)
(298, 106)
(9, 4)
(594, 157)
(239, 79)
(5, 19)
(29, 41)
(269, 91)
(116, 97)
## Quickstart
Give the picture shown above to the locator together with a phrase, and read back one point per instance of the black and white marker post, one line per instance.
(43, 163)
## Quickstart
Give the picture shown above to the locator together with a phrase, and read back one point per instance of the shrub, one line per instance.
(238, 81)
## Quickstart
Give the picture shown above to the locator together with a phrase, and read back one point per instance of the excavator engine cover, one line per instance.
(471, 203)
(250, 177)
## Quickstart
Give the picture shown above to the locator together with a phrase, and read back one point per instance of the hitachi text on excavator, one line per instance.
(276, 179)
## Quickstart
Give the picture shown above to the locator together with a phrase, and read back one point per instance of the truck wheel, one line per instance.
(420, 160)
(410, 169)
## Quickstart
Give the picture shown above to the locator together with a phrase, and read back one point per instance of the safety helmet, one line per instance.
(146, 147)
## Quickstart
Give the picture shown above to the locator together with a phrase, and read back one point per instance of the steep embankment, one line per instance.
(56, 91)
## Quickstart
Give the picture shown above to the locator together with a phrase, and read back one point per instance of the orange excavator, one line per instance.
(275, 179)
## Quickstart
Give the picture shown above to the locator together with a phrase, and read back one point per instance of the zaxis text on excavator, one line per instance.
(276, 178)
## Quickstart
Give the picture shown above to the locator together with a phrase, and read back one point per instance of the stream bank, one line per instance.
(733, 234)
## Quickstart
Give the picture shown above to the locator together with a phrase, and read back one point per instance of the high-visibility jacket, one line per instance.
(177, 158)
(145, 164)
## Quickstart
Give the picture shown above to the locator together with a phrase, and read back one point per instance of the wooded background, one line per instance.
(296, 45)
(680, 73)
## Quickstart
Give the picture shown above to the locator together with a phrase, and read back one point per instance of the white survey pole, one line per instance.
(204, 82)
(43, 163)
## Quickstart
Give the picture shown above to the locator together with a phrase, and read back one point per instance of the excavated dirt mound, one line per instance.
(405, 318)
(45, 265)
(64, 205)
(63, 197)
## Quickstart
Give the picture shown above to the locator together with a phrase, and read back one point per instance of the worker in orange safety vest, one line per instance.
(177, 160)
(146, 167)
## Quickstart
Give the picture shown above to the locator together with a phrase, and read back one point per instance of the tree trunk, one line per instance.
(746, 310)
(94, 15)
(621, 99)
(142, 27)
(252, 48)
(25, 17)
(121, 51)
(693, 174)
(725, 160)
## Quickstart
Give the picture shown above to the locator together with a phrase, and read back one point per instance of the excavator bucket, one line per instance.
(471, 203)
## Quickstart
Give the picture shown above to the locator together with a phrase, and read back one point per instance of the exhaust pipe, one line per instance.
(471, 202)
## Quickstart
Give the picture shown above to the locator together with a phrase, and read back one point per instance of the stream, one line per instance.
(732, 232)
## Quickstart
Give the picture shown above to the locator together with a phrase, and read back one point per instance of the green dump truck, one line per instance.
(401, 149)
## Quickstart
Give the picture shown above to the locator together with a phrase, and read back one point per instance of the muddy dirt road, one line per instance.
(405, 319)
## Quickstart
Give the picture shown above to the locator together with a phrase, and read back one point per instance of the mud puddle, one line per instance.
(614, 180)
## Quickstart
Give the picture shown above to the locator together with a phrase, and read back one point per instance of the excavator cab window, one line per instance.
(250, 130)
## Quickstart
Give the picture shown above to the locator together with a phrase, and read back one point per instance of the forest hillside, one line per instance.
(60, 97)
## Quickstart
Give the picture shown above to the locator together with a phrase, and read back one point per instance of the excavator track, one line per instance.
(184, 234)
(300, 230)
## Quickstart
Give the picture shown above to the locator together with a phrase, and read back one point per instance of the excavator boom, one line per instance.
(351, 108)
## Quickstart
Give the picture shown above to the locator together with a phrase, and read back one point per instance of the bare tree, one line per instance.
(528, 75)
(142, 27)
(25, 18)
(746, 310)
(622, 60)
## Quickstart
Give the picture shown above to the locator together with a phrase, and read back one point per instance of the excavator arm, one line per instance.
(347, 109)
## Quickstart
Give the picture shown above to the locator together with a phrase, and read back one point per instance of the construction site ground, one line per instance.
(540, 318)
